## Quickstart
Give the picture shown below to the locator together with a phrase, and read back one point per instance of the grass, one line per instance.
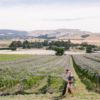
(9, 57)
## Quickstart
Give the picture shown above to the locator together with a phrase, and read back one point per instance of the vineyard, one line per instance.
(28, 73)
(88, 66)
(38, 74)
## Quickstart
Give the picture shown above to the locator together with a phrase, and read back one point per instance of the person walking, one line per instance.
(70, 80)
(68, 86)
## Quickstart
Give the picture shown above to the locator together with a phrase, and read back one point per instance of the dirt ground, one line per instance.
(37, 52)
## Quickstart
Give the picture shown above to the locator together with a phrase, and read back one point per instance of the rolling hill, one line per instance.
(75, 35)
(11, 34)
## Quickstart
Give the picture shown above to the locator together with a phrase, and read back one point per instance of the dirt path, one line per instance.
(80, 93)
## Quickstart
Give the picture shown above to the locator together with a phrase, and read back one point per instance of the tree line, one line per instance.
(58, 46)
(49, 45)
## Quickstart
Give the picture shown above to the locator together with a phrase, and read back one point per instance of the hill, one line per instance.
(11, 34)
(75, 35)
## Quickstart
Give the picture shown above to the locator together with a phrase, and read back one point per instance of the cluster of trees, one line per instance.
(25, 45)
(89, 48)
(58, 46)
(50, 45)
(61, 44)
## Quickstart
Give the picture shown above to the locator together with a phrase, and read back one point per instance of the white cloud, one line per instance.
(50, 17)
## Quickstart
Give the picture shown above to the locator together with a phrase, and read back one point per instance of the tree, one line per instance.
(88, 49)
(13, 48)
(19, 44)
(13, 45)
(59, 51)
(26, 44)
(61, 44)
(45, 43)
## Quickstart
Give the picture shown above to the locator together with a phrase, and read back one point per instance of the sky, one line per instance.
(50, 14)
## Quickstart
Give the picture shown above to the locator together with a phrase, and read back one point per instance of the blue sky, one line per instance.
(10, 3)
(16, 2)
(50, 14)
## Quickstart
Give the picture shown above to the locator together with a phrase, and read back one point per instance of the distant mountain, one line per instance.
(46, 34)
(11, 34)
(61, 33)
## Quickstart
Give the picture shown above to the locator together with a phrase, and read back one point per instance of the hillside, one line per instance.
(11, 34)
(75, 35)
(59, 33)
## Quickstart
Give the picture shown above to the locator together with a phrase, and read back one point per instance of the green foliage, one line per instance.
(59, 51)
(55, 84)
(31, 81)
(65, 45)
(17, 73)
(26, 44)
(36, 45)
(44, 89)
(88, 78)
(45, 43)
(81, 48)
(7, 83)
(19, 44)
(11, 57)
(51, 45)
(49, 80)
(88, 49)
(13, 46)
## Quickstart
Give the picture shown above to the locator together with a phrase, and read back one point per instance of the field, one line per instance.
(91, 62)
(32, 77)
(88, 68)
(23, 72)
